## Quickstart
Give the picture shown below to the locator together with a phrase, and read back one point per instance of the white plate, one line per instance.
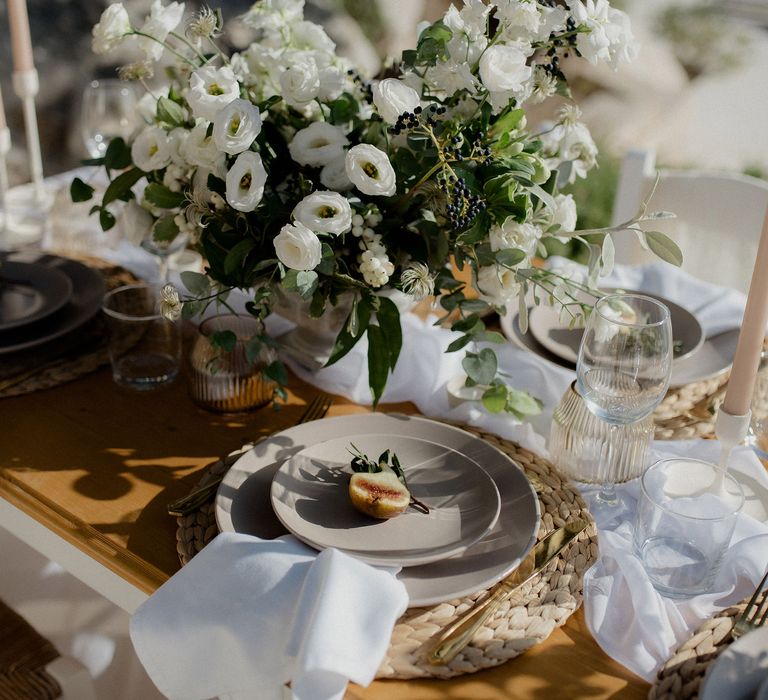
(545, 325)
(740, 670)
(310, 496)
(243, 501)
(711, 360)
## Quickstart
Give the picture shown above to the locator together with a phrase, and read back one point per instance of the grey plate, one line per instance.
(713, 358)
(544, 323)
(310, 496)
(88, 289)
(243, 501)
(740, 670)
(29, 292)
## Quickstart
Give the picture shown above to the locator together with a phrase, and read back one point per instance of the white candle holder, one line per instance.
(5, 149)
(26, 207)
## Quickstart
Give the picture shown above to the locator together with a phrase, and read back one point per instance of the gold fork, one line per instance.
(702, 410)
(755, 614)
(317, 408)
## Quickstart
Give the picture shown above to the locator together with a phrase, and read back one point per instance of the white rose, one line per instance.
(326, 212)
(503, 68)
(498, 285)
(161, 21)
(136, 222)
(298, 248)
(151, 150)
(333, 81)
(200, 149)
(318, 144)
(392, 97)
(300, 83)
(111, 29)
(236, 126)
(334, 175)
(211, 89)
(370, 170)
(245, 181)
(512, 234)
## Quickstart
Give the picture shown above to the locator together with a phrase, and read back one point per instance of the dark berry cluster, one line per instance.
(411, 120)
(463, 206)
(365, 87)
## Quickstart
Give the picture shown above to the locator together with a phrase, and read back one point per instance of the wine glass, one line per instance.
(109, 109)
(623, 372)
(163, 250)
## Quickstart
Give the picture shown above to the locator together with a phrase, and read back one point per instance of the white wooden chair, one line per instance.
(719, 217)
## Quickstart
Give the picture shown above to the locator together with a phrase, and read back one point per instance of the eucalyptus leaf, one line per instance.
(664, 247)
(306, 283)
(495, 398)
(459, 343)
(608, 255)
(196, 283)
(276, 371)
(165, 229)
(226, 340)
(521, 403)
(481, 367)
(510, 257)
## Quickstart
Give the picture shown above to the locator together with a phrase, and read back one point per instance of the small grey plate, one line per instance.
(740, 670)
(29, 292)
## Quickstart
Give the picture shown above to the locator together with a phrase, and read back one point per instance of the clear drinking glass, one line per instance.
(108, 110)
(144, 347)
(228, 381)
(624, 367)
(685, 520)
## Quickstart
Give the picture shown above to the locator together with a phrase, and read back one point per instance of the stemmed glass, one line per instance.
(163, 250)
(108, 110)
(623, 372)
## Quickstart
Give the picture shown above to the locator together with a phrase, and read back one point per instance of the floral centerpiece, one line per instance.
(292, 172)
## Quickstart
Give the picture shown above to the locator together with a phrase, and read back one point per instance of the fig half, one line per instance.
(380, 494)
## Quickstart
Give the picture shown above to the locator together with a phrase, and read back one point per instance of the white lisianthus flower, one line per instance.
(569, 141)
(512, 234)
(619, 32)
(136, 222)
(111, 29)
(211, 89)
(325, 212)
(200, 149)
(176, 139)
(448, 77)
(609, 37)
(161, 21)
(504, 72)
(522, 15)
(147, 107)
(300, 83)
(497, 285)
(297, 247)
(245, 182)
(318, 144)
(392, 97)
(370, 170)
(334, 175)
(170, 304)
(236, 126)
(274, 14)
(151, 150)
(564, 214)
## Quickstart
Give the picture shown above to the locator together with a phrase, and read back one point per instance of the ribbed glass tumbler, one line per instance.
(585, 448)
(226, 381)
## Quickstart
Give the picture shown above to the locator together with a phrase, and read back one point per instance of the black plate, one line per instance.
(29, 292)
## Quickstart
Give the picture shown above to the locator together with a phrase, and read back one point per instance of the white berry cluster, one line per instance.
(374, 263)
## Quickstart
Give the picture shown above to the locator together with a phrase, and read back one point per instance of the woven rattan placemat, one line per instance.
(547, 602)
(80, 352)
(682, 675)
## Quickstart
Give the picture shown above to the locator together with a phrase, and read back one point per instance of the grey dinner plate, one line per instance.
(88, 289)
(243, 502)
(29, 292)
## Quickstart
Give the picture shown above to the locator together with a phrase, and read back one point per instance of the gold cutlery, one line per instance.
(703, 410)
(755, 614)
(458, 634)
(317, 408)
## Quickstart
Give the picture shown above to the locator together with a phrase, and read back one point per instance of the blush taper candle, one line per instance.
(21, 40)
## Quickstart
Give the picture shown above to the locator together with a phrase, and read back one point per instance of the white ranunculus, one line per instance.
(324, 212)
(498, 285)
(151, 150)
(236, 126)
(136, 222)
(512, 234)
(370, 170)
(300, 83)
(392, 97)
(503, 68)
(297, 247)
(245, 182)
(161, 21)
(211, 89)
(111, 29)
(318, 144)
(334, 175)
(200, 149)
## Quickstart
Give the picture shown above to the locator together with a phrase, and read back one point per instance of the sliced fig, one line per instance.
(380, 495)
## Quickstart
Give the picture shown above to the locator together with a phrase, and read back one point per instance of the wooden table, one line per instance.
(87, 468)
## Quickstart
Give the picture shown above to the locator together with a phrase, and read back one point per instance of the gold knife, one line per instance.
(460, 633)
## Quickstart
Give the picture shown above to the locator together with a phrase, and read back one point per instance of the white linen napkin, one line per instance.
(247, 615)
(630, 620)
